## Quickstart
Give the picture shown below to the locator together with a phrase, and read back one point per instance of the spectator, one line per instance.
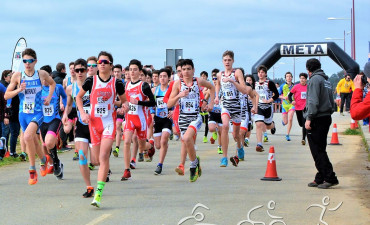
(344, 89)
(10, 123)
(60, 73)
(360, 108)
(319, 107)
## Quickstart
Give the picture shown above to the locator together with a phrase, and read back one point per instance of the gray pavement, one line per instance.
(228, 193)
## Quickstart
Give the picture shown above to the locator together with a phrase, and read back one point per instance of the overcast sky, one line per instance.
(62, 31)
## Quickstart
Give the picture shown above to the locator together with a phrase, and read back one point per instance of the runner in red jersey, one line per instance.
(102, 121)
(137, 94)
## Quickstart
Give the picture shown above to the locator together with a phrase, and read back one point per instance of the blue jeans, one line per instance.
(11, 129)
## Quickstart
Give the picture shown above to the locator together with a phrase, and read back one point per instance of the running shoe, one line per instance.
(146, 156)
(246, 142)
(234, 160)
(44, 167)
(132, 164)
(259, 148)
(14, 155)
(109, 173)
(141, 157)
(115, 152)
(287, 137)
(158, 171)
(265, 139)
(126, 175)
(282, 122)
(50, 169)
(223, 162)
(195, 172)
(215, 135)
(57, 169)
(151, 152)
(61, 175)
(89, 192)
(180, 170)
(91, 166)
(23, 156)
(205, 140)
(171, 136)
(212, 140)
(273, 130)
(303, 142)
(33, 177)
(177, 137)
(75, 156)
(219, 150)
(241, 154)
(96, 201)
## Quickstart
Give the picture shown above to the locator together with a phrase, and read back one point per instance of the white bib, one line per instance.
(101, 109)
(303, 95)
(48, 110)
(133, 109)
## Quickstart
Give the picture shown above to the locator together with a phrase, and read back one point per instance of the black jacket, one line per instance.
(58, 77)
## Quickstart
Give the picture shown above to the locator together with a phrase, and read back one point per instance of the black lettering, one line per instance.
(299, 49)
(319, 49)
(289, 51)
(309, 48)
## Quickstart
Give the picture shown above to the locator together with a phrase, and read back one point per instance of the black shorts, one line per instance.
(52, 127)
(121, 117)
(82, 133)
(162, 124)
(73, 114)
(215, 117)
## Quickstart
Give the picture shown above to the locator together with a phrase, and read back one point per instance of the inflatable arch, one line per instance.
(305, 50)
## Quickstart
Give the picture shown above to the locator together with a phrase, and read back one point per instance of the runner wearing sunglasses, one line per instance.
(103, 90)
(215, 122)
(28, 85)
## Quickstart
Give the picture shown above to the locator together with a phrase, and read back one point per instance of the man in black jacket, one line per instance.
(60, 73)
(319, 107)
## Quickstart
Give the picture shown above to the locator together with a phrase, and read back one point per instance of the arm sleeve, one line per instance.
(168, 93)
(352, 86)
(63, 94)
(148, 92)
(273, 88)
(339, 85)
(360, 109)
(87, 85)
(120, 88)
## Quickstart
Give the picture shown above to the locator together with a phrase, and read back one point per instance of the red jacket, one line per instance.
(360, 109)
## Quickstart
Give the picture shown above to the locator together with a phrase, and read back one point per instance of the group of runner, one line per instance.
(105, 108)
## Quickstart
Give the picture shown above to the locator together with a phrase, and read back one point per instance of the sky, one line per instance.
(63, 31)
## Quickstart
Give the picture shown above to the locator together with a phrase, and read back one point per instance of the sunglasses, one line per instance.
(92, 65)
(8, 75)
(214, 78)
(80, 70)
(29, 60)
(101, 61)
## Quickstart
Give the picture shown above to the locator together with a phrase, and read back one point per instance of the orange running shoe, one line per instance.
(50, 169)
(33, 177)
(180, 170)
(44, 167)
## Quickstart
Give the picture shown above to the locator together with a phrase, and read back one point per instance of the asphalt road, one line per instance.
(223, 195)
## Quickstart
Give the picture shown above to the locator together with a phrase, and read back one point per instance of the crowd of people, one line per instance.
(101, 103)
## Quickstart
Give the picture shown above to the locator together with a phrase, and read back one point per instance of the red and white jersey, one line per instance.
(102, 98)
(135, 91)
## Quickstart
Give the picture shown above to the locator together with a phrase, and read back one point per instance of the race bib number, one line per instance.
(262, 97)
(87, 109)
(101, 110)
(229, 94)
(28, 107)
(48, 110)
(303, 95)
(132, 109)
(189, 106)
(161, 104)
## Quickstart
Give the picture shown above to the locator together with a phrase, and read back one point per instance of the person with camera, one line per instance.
(360, 108)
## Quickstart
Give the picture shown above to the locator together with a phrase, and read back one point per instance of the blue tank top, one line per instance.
(51, 111)
(30, 98)
(69, 82)
(161, 109)
(85, 101)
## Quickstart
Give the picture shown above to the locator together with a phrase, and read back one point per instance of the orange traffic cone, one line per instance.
(271, 174)
(353, 124)
(7, 154)
(334, 136)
